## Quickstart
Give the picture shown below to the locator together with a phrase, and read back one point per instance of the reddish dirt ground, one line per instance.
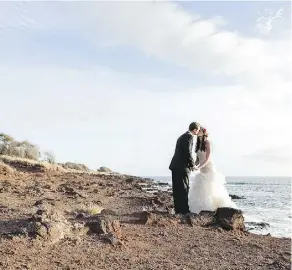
(169, 245)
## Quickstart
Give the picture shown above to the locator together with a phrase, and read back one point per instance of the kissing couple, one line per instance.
(207, 192)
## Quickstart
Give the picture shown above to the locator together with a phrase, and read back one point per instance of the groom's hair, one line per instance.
(194, 125)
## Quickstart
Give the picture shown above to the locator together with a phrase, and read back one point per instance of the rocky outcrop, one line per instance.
(49, 224)
(63, 217)
(104, 169)
(155, 218)
(162, 184)
(104, 225)
(236, 197)
(69, 190)
(107, 227)
(205, 218)
(230, 218)
(257, 225)
(225, 218)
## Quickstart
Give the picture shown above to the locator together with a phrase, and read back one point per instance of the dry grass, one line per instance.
(91, 209)
(74, 166)
(4, 168)
(16, 161)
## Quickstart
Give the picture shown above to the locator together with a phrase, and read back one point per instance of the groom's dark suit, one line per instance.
(181, 165)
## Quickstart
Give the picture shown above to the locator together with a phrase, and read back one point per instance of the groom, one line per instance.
(181, 166)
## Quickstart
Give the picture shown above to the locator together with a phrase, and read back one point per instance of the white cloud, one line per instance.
(276, 155)
(265, 23)
(162, 29)
(102, 118)
(260, 67)
(168, 32)
(243, 118)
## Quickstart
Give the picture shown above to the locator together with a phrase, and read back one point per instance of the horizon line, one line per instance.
(241, 176)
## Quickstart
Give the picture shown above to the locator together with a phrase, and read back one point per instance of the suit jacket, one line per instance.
(183, 156)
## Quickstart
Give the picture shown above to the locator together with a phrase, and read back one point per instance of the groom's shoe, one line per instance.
(182, 212)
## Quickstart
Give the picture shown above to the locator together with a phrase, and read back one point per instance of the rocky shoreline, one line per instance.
(57, 220)
(154, 187)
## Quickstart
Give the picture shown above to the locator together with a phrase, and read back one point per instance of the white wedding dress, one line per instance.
(208, 192)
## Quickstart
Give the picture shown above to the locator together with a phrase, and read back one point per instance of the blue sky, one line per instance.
(116, 83)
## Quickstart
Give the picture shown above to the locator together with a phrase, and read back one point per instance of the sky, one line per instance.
(116, 83)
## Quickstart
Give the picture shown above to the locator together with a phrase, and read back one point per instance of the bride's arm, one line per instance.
(208, 155)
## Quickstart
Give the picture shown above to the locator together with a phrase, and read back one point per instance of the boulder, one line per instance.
(108, 212)
(44, 201)
(102, 225)
(162, 184)
(230, 218)
(158, 218)
(49, 224)
(235, 197)
(205, 218)
(104, 169)
(224, 218)
(148, 218)
(130, 180)
(257, 225)
(69, 190)
(111, 238)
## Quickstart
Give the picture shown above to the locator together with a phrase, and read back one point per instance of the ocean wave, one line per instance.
(254, 184)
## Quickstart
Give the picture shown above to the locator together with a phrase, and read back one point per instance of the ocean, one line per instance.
(266, 204)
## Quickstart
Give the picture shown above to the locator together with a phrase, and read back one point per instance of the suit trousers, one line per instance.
(180, 190)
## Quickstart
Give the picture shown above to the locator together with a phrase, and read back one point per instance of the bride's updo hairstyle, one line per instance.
(201, 140)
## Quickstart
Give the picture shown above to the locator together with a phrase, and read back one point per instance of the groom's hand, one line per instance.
(193, 168)
(196, 168)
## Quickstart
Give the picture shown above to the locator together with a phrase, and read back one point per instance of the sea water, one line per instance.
(266, 204)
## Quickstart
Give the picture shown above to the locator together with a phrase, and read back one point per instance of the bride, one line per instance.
(208, 191)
